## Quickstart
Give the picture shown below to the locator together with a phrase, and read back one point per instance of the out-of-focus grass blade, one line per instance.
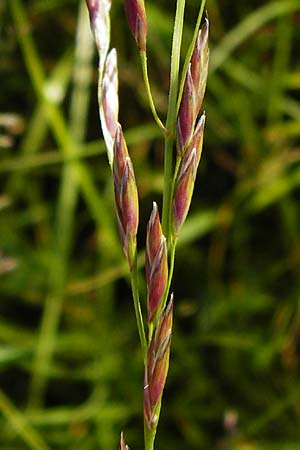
(133, 136)
(248, 26)
(20, 424)
(10, 355)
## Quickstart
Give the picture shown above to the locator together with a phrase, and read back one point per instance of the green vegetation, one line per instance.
(71, 366)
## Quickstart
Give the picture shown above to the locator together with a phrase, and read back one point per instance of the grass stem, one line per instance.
(149, 437)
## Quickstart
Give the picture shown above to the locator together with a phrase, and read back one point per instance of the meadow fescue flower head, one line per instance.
(199, 65)
(157, 366)
(156, 264)
(123, 446)
(100, 23)
(177, 196)
(193, 90)
(137, 20)
(109, 109)
(126, 196)
(185, 181)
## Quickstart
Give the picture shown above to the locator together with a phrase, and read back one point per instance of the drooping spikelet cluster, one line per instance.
(126, 197)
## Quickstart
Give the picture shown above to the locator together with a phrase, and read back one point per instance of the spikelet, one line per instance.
(100, 23)
(123, 446)
(185, 181)
(109, 102)
(199, 65)
(193, 90)
(157, 366)
(156, 264)
(99, 11)
(137, 21)
(126, 196)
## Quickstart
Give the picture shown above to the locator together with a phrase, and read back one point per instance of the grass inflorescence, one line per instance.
(71, 371)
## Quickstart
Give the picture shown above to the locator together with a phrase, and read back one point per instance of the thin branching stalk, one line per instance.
(143, 56)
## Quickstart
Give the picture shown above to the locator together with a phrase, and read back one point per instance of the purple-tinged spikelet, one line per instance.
(109, 101)
(126, 196)
(199, 65)
(185, 123)
(100, 23)
(197, 140)
(108, 77)
(157, 366)
(137, 20)
(156, 264)
(123, 446)
(193, 90)
(185, 181)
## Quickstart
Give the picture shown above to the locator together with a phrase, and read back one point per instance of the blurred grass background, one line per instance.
(71, 369)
